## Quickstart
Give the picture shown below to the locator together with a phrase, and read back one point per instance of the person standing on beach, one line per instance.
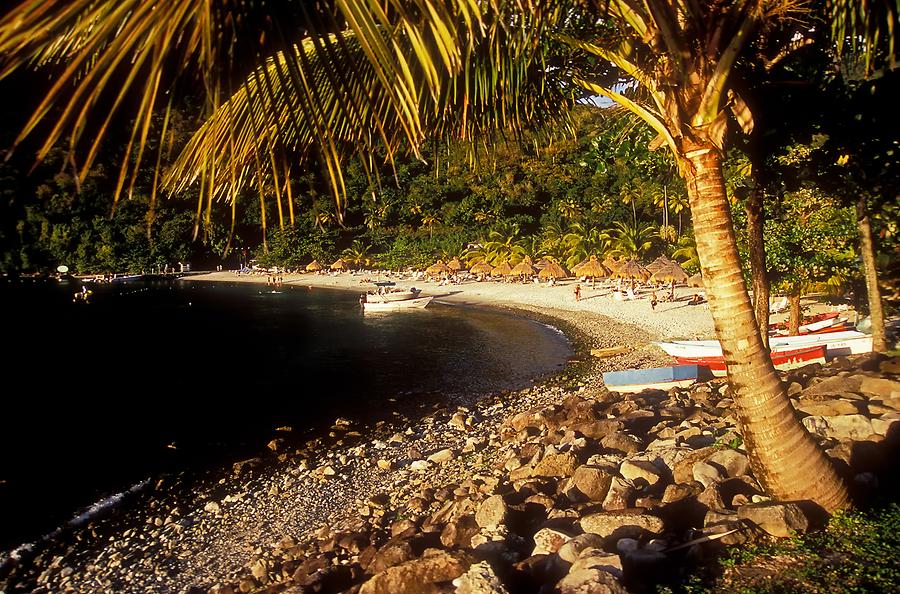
(578, 292)
(653, 301)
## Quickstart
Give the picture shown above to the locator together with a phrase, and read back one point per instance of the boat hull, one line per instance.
(657, 378)
(782, 360)
(836, 344)
(406, 304)
(392, 296)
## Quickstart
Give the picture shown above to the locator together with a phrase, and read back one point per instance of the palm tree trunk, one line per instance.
(867, 247)
(756, 217)
(796, 312)
(784, 457)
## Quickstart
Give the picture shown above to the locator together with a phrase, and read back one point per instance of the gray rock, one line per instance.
(479, 579)
(492, 512)
(706, 474)
(571, 550)
(442, 456)
(732, 462)
(880, 386)
(548, 541)
(590, 580)
(418, 576)
(826, 407)
(620, 496)
(558, 465)
(855, 427)
(781, 520)
(638, 471)
(624, 524)
(592, 482)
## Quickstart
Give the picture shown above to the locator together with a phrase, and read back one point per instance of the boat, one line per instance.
(850, 342)
(782, 360)
(384, 295)
(656, 378)
(379, 306)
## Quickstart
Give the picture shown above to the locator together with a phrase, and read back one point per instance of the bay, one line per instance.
(156, 377)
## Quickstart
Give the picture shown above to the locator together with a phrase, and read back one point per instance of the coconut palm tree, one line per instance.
(631, 241)
(341, 80)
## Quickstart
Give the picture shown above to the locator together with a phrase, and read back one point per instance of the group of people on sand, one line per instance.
(275, 280)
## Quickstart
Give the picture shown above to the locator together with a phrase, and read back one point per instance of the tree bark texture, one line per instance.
(796, 311)
(756, 218)
(867, 247)
(784, 457)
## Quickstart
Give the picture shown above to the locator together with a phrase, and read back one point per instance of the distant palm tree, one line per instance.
(631, 241)
(583, 242)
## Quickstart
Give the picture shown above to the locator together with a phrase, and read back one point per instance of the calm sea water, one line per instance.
(149, 378)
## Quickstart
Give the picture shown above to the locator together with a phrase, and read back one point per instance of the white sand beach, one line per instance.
(669, 320)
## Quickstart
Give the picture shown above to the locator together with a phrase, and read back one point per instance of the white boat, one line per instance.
(395, 295)
(379, 306)
(836, 344)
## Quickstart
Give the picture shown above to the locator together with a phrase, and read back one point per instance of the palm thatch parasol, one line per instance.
(658, 264)
(503, 269)
(672, 272)
(592, 268)
(481, 268)
(339, 264)
(695, 281)
(523, 268)
(552, 270)
(313, 266)
(438, 269)
(611, 263)
(455, 265)
(632, 269)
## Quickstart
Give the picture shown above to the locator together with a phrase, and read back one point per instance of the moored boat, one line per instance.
(380, 306)
(782, 360)
(836, 344)
(656, 378)
(383, 296)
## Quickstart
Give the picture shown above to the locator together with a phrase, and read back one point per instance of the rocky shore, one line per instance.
(563, 487)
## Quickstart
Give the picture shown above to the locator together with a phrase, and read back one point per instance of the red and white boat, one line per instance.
(782, 359)
(836, 344)
(820, 324)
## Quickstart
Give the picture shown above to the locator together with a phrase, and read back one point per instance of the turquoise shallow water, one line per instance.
(149, 377)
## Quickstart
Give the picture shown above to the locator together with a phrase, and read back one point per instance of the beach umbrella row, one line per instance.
(552, 270)
(438, 269)
(313, 266)
(481, 268)
(670, 272)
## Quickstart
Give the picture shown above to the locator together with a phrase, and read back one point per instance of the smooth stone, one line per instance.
(781, 520)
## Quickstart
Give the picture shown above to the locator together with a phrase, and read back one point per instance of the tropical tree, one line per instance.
(364, 76)
(631, 241)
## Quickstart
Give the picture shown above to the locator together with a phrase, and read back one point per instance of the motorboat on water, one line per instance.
(397, 305)
(386, 295)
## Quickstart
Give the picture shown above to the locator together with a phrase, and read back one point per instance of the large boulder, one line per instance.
(492, 512)
(631, 523)
(827, 408)
(832, 386)
(419, 576)
(731, 462)
(781, 520)
(479, 579)
(640, 472)
(548, 541)
(880, 387)
(592, 482)
(557, 465)
(855, 427)
(591, 576)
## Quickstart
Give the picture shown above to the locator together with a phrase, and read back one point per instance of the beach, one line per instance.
(273, 519)
(670, 320)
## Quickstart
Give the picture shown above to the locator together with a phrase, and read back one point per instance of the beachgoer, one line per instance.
(653, 301)
(578, 292)
(695, 299)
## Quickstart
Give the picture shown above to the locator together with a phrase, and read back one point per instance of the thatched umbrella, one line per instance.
(695, 281)
(552, 270)
(523, 268)
(438, 269)
(593, 268)
(673, 273)
(481, 268)
(313, 266)
(611, 263)
(455, 265)
(658, 264)
(503, 269)
(634, 270)
(339, 264)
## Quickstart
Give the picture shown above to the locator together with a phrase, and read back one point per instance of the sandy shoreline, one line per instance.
(670, 320)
